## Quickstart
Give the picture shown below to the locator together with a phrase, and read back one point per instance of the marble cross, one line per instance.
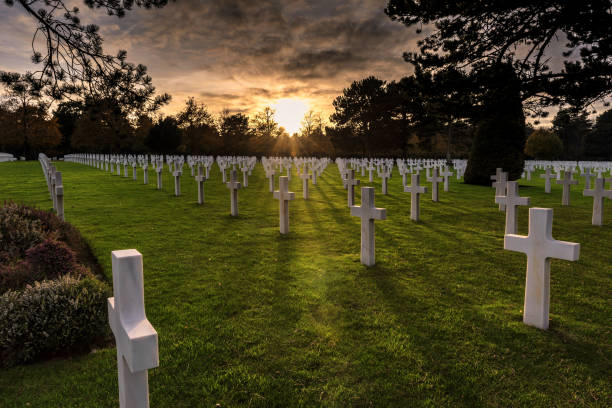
(59, 195)
(136, 339)
(598, 193)
(145, 172)
(234, 186)
(415, 191)
(200, 179)
(368, 213)
(350, 182)
(271, 179)
(446, 174)
(587, 178)
(500, 187)
(567, 182)
(159, 170)
(434, 180)
(283, 195)
(305, 177)
(385, 174)
(245, 177)
(177, 183)
(547, 176)
(540, 247)
(511, 200)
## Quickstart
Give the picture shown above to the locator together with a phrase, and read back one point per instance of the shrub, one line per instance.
(48, 260)
(19, 231)
(543, 144)
(51, 317)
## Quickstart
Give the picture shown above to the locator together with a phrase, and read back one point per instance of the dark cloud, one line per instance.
(243, 54)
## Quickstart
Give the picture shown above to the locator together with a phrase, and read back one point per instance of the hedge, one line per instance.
(51, 317)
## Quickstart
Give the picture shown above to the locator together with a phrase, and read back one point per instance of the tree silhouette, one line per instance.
(72, 61)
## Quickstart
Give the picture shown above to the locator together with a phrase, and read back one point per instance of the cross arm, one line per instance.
(517, 243)
(568, 251)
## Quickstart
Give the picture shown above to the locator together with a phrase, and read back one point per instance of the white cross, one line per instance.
(415, 191)
(500, 187)
(305, 177)
(135, 337)
(368, 213)
(434, 180)
(511, 200)
(245, 177)
(446, 174)
(200, 179)
(234, 186)
(567, 182)
(271, 174)
(547, 176)
(540, 247)
(177, 183)
(587, 178)
(598, 194)
(350, 182)
(59, 195)
(385, 174)
(159, 170)
(283, 195)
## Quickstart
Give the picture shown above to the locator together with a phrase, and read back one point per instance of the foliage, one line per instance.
(235, 133)
(51, 317)
(199, 134)
(164, 136)
(599, 140)
(20, 230)
(72, 61)
(543, 144)
(572, 126)
(477, 35)
(500, 133)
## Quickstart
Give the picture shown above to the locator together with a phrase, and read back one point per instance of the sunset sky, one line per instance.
(243, 54)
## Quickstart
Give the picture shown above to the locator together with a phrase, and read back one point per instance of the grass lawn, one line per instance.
(247, 317)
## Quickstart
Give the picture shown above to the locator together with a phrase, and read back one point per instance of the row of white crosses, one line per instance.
(538, 245)
(54, 184)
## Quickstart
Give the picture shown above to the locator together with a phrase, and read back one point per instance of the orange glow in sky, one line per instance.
(289, 113)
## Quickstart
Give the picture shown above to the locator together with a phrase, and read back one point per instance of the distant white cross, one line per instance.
(500, 187)
(305, 177)
(567, 182)
(234, 186)
(135, 337)
(547, 176)
(200, 179)
(350, 182)
(368, 213)
(598, 194)
(446, 174)
(415, 191)
(511, 200)
(283, 195)
(434, 180)
(540, 248)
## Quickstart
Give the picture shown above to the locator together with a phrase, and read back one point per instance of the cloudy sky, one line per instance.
(242, 54)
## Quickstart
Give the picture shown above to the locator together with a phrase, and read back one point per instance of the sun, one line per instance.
(289, 113)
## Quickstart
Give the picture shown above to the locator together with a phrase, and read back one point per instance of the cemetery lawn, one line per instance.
(247, 317)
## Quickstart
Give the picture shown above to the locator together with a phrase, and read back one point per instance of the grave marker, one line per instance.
(368, 213)
(415, 191)
(598, 194)
(567, 182)
(283, 195)
(540, 247)
(511, 200)
(234, 186)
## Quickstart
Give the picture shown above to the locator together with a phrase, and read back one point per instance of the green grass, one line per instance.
(247, 317)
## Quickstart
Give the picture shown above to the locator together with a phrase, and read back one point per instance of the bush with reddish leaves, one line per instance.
(49, 297)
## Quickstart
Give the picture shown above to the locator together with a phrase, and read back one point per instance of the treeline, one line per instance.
(421, 115)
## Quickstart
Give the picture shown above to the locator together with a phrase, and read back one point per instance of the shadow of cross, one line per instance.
(283, 195)
(136, 338)
(368, 213)
(540, 247)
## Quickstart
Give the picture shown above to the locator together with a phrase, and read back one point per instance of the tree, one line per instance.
(66, 114)
(164, 136)
(599, 141)
(72, 61)
(235, 133)
(484, 36)
(364, 108)
(543, 144)
(199, 133)
(265, 129)
(103, 127)
(572, 126)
